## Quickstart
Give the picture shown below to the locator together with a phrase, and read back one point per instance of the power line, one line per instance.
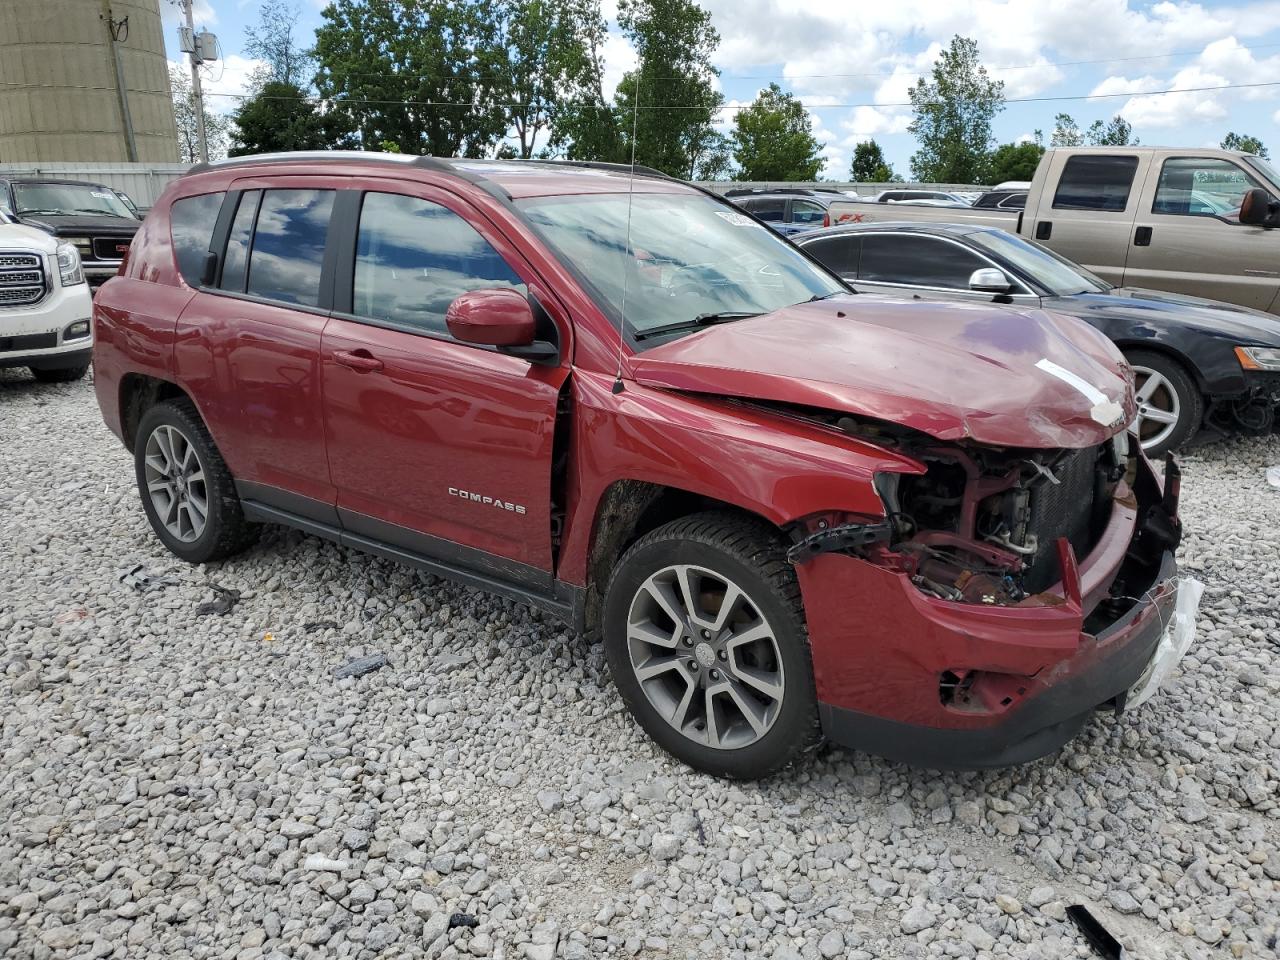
(816, 106)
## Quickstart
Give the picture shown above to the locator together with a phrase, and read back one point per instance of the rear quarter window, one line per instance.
(191, 221)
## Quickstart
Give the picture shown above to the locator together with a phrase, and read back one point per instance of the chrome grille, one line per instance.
(21, 279)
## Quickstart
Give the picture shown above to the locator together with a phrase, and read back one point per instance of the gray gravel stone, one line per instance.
(169, 776)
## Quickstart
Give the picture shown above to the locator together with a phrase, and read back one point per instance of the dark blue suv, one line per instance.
(786, 210)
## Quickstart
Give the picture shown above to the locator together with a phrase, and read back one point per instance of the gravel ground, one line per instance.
(183, 784)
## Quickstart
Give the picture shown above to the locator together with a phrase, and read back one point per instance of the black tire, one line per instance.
(59, 374)
(226, 531)
(751, 554)
(1179, 382)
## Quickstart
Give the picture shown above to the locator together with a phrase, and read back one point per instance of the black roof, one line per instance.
(74, 183)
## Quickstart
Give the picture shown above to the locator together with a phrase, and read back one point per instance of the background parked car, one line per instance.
(786, 211)
(90, 216)
(1002, 200)
(45, 306)
(1196, 362)
(898, 196)
(1196, 221)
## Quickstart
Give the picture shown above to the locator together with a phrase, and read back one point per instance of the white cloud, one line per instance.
(1178, 109)
(1123, 85)
(202, 13)
(224, 82)
(619, 57)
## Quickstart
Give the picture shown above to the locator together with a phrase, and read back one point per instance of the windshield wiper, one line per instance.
(701, 320)
(100, 213)
(827, 296)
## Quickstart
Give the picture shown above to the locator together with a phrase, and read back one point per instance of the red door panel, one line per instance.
(443, 439)
(253, 369)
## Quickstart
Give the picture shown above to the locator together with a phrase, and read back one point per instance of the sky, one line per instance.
(853, 63)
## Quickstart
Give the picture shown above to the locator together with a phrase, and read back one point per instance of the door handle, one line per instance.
(361, 361)
(1142, 237)
(1044, 230)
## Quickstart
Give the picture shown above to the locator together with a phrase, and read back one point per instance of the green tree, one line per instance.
(549, 59)
(870, 166)
(272, 41)
(425, 75)
(954, 108)
(586, 125)
(669, 97)
(1065, 132)
(1117, 132)
(280, 116)
(773, 139)
(1014, 161)
(1245, 144)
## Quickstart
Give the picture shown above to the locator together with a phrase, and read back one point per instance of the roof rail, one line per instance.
(639, 168)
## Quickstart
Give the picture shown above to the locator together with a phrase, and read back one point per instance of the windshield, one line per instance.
(692, 256)
(68, 199)
(1268, 173)
(1056, 274)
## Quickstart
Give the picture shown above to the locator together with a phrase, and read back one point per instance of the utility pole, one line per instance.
(190, 47)
(115, 29)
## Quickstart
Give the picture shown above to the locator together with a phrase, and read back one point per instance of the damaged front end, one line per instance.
(993, 526)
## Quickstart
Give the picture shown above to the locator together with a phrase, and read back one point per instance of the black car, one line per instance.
(91, 216)
(1198, 363)
(787, 211)
(1002, 200)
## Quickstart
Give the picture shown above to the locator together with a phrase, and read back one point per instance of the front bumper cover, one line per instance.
(882, 651)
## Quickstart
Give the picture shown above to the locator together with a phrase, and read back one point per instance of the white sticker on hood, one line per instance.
(1106, 412)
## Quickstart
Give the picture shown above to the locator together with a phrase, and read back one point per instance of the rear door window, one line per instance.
(917, 261)
(288, 246)
(771, 209)
(191, 222)
(837, 254)
(1095, 182)
(236, 258)
(414, 257)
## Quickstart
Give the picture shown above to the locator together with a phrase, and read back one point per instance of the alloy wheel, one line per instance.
(176, 483)
(1159, 407)
(705, 656)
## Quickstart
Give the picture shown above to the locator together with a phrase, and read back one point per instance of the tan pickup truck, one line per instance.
(1194, 221)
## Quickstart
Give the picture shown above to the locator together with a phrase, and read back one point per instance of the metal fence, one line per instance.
(144, 182)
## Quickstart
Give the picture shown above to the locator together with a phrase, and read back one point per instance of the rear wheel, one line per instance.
(1170, 407)
(60, 374)
(705, 637)
(187, 490)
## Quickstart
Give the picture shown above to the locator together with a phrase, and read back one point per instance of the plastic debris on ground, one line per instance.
(142, 579)
(223, 600)
(1175, 642)
(1273, 476)
(463, 920)
(360, 666)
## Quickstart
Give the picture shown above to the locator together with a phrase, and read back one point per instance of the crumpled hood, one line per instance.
(995, 375)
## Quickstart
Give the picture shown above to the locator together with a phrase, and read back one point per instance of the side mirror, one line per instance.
(989, 280)
(491, 318)
(1255, 208)
(502, 318)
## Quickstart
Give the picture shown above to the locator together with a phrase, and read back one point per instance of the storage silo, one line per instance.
(60, 97)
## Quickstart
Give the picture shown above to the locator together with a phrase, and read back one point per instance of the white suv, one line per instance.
(45, 306)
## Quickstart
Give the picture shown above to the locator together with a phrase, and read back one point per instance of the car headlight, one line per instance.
(1259, 358)
(76, 331)
(69, 265)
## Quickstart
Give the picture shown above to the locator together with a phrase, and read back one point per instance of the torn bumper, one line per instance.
(887, 657)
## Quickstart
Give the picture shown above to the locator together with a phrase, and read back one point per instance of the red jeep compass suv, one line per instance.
(790, 511)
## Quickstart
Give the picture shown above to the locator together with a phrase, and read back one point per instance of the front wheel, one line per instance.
(705, 637)
(1170, 407)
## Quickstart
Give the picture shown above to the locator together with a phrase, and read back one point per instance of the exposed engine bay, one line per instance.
(982, 524)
